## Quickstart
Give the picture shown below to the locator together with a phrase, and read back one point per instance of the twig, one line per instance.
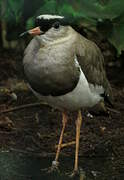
(66, 144)
(22, 107)
(113, 110)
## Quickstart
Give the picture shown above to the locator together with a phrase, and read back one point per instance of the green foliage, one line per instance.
(99, 9)
(111, 11)
(117, 35)
(16, 7)
(30, 23)
(12, 10)
(106, 16)
(48, 7)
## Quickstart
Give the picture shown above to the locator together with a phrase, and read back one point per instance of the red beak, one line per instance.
(34, 31)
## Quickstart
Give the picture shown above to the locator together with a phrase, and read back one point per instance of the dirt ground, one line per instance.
(36, 129)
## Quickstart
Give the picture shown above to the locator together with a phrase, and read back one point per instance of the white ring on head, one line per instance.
(48, 16)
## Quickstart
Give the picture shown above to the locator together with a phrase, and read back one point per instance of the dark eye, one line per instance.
(56, 25)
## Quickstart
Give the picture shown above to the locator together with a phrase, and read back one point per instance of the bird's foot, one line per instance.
(53, 168)
(78, 173)
(75, 173)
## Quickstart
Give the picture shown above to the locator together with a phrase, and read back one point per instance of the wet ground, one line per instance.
(27, 144)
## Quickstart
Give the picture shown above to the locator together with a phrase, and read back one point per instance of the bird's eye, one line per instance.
(56, 25)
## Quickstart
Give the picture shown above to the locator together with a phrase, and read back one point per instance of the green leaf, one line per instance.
(13, 10)
(50, 7)
(117, 36)
(30, 23)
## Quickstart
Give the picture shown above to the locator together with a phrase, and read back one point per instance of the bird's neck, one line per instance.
(51, 40)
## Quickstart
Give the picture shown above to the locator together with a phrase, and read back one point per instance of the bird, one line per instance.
(66, 70)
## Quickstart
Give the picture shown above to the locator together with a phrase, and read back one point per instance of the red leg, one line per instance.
(78, 126)
(64, 122)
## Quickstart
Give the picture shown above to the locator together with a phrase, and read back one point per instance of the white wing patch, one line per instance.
(48, 16)
(96, 89)
(76, 62)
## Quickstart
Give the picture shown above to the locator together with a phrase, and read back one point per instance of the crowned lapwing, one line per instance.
(66, 70)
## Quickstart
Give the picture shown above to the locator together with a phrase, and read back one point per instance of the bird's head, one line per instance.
(53, 25)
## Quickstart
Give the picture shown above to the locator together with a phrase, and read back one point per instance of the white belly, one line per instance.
(80, 97)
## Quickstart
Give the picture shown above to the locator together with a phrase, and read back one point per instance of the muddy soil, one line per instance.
(36, 129)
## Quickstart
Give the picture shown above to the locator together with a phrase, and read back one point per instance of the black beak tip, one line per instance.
(23, 34)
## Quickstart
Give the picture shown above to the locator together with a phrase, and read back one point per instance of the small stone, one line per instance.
(89, 115)
(102, 129)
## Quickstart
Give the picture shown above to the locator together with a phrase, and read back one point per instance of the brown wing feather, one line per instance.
(91, 61)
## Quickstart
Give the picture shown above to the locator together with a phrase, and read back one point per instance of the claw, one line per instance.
(53, 168)
(80, 174)
(74, 174)
(55, 164)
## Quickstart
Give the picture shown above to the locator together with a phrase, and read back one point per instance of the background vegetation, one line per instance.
(104, 16)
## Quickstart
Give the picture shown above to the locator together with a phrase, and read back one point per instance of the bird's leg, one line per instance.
(55, 163)
(78, 126)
